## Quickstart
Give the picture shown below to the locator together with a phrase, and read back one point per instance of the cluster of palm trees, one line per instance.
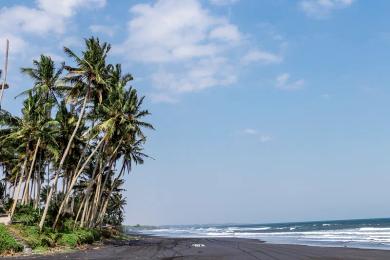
(80, 131)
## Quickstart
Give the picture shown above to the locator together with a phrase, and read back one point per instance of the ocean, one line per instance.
(357, 233)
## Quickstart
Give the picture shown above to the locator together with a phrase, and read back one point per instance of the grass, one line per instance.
(7, 243)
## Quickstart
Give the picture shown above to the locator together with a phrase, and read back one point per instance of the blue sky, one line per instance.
(265, 111)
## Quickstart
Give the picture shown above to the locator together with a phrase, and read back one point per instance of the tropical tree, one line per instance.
(87, 77)
(78, 134)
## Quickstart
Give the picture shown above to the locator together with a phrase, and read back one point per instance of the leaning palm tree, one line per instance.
(120, 121)
(87, 77)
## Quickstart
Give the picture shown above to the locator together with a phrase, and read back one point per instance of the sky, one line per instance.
(265, 111)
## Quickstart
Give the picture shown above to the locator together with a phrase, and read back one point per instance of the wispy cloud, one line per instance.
(223, 2)
(283, 82)
(104, 29)
(322, 8)
(47, 16)
(263, 138)
(261, 56)
(250, 131)
(192, 48)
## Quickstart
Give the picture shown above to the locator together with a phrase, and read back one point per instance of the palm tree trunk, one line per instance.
(31, 170)
(16, 194)
(95, 200)
(84, 211)
(106, 177)
(65, 154)
(15, 184)
(73, 182)
(38, 191)
(79, 211)
(102, 212)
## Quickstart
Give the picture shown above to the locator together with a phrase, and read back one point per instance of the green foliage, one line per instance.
(79, 237)
(115, 212)
(68, 225)
(26, 215)
(70, 239)
(50, 237)
(34, 238)
(7, 242)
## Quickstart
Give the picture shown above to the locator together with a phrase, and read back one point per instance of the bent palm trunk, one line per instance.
(31, 170)
(16, 194)
(71, 185)
(57, 173)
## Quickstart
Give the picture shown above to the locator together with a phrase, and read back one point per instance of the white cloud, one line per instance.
(47, 16)
(223, 2)
(227, 32)
(261, 56)
(283, 82)
(17, 46)
(163, 98)
(196, 76)
(323, 8)
(107, 30)
(175, 30)
(67, 8)
(186, 46)
(71, 41)
(250, 131)
(263, 138)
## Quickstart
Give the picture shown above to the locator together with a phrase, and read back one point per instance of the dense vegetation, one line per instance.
(64, 159)
(7, 243)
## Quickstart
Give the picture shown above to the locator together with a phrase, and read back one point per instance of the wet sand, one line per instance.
(213, 249)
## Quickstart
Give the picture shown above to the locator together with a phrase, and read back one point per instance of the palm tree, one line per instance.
(74, 130)
(87, 77)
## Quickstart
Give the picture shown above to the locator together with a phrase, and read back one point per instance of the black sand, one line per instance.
(213, 249)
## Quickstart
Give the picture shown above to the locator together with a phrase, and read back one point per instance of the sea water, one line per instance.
(361, 233)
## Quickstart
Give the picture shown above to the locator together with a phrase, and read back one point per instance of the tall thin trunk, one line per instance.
(16, 194)
(15, 184)
(73, 182)
(65, 154)
(31, 170)
(103, 209)
(79, 211)
(95, 199)
(101, 190)
(83, 216)
(38, 191)
(38, 180)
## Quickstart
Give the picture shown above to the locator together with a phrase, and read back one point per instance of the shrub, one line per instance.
(68, 225)
(79, 237)
(30, 234)
(34, 238)
(7, 242)
(26, 215)
(70, 239)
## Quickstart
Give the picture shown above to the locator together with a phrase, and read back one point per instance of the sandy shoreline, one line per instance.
(212, 248)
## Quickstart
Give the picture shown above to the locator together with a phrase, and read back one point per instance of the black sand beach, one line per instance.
(213, 248)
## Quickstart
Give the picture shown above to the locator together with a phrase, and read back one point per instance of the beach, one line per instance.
(146, 247)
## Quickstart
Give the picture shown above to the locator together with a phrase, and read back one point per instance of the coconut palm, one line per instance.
(87, 77)
(78, 133)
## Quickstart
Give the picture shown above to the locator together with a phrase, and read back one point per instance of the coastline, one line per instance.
(147, 247)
